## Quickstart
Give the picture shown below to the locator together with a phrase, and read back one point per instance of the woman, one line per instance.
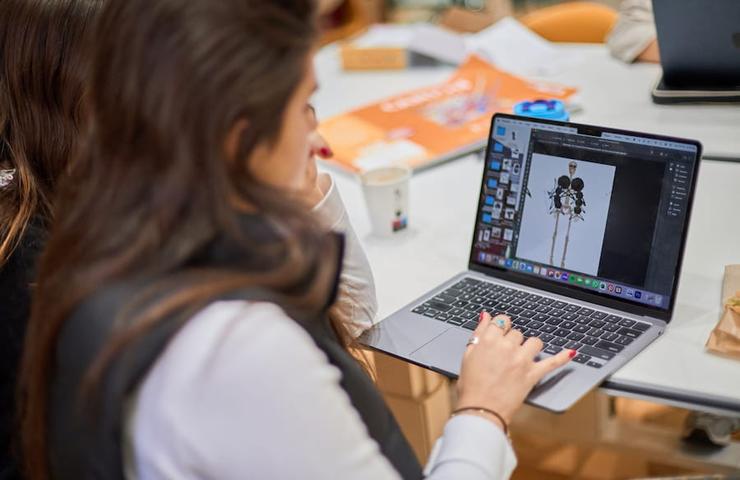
(180, 328)
(41, 90)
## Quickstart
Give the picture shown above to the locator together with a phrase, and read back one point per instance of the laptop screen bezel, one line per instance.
(572, 291)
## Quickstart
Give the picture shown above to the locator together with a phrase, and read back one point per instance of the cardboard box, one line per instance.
(422, 420)
(403, 379)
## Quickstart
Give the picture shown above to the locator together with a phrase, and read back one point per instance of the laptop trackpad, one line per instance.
(445, 352)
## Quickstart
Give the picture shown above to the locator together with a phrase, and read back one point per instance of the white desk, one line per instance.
(675, 369)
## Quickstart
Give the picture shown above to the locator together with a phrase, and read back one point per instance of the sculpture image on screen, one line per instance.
(567, 201)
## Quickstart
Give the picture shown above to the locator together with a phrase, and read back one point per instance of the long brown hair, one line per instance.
(153, 184)
(42, 71)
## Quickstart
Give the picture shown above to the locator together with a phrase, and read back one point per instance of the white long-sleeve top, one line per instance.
(634, 31)
(242, 392)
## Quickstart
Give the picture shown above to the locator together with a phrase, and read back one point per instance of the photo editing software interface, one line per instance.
(603, 213)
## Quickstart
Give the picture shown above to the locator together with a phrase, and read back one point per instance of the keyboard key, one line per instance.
(468, 315)
(471, 325)
(581, 328)
(570, 316)
(420, 309)
(489, 304)
(558, 305)
(561, 332)
(431, 313)
(456, 321)
(532, 297)
(582, 320)
(545, 337)
(573, 345)
(471, 281)
(443, 316)
(595, 332)
(568, 325)
(535, 324)
(444, 298)
(503, 306)
(515, 310)
(611, 327)
(460, 304)
(625, 340)
(585, 311)
(521, 294)
(554, 320)
(643, 327)
(442, 307)
(594, 364)
(520, 322)
(575, 336)
(552, 349)
(588, 340)
(597, 323)
(559, 342)
(471, 307)
(528, 314)
(613, 318)
(456, 311)
(609, 346)
(548, 328)
(519, 303)
(628, 332)
(581, 358)
(467, 296)
(545, 301)
(571, 308)
(509, 291)
(625, 322)
(544, 309)
(531, 306)
(557, 313)
(597, 352)
(479, 300)
(599, 315)
(609, 336)
(541, 317)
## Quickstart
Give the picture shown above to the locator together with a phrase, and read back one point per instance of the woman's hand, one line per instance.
(499, 371)
(318, 147)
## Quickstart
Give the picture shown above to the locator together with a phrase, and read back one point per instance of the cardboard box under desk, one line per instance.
(400, 378)
(422, 420)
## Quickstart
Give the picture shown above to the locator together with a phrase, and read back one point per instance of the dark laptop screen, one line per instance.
(602, 211)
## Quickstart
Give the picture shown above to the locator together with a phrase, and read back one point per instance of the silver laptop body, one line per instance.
(579, 238)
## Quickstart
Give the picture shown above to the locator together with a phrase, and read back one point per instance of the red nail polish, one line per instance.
(572, 354)
(482, 314)
(325, 152)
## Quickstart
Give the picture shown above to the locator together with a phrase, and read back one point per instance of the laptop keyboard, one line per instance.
(597, 336)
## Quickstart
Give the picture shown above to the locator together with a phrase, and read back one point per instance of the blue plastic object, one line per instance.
(545, 109)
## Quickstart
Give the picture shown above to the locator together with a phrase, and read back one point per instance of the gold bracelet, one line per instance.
(485, 410)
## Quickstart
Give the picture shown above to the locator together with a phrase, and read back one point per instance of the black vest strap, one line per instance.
(86, 437)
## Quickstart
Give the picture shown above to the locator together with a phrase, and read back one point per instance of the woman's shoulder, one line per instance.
(229, 344)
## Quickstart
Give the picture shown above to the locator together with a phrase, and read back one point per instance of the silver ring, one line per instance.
(473, 340)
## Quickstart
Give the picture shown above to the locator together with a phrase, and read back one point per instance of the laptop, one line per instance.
(578, 237)
(699, 44)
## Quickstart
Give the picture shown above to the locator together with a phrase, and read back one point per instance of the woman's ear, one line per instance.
(231, 147)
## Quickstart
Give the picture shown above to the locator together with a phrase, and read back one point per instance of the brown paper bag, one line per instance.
(725, 338)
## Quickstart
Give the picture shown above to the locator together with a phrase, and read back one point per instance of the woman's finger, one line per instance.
(319, 146)
(532, 346)
(543, 367)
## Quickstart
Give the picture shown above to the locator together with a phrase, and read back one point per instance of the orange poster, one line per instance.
(431, 124)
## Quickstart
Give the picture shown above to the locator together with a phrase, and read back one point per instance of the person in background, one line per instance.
(182, 325)
(42, 70)
(633, 38)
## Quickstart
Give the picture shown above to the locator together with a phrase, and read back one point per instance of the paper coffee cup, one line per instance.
(386, 192)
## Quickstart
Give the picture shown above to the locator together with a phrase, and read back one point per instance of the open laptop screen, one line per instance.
(592, 209)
